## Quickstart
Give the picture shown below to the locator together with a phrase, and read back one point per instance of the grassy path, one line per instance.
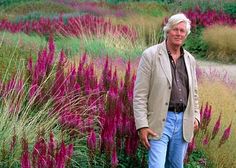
(230, 69)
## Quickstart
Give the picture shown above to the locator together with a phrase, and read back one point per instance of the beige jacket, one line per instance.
(153, 88)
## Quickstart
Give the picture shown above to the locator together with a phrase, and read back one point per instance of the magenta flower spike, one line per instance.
(206, 139)
(51, 145)
(34, 91)
(114, 158)
(30, 65)
(191, 146)
(70, 150)
(25, 160)
(216, 128)
(61, 156)
(105, 80)
(51, 151)
(201, 113)
(226, 135)
(62, 59)
(206, 116)
(51, 52)
(91, 140)
(25, 157)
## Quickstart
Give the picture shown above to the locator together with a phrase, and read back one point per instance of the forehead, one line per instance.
(179, 25)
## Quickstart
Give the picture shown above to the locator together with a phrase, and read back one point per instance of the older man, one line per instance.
(165, 101)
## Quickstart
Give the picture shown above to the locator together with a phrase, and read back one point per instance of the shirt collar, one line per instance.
(181, 51)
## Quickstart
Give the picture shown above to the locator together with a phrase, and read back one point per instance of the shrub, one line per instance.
(195, 44)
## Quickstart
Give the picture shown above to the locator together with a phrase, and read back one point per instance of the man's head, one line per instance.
(177, 29)
(174, 20)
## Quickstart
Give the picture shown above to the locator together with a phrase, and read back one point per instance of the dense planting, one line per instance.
(71, 106)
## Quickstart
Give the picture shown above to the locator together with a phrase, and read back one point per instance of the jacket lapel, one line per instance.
(188, 67)
(165, 62)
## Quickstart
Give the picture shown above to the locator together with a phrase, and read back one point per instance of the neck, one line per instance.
(174, 50)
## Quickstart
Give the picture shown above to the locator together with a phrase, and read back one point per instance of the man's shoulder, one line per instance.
(152, 50)
(189, 55)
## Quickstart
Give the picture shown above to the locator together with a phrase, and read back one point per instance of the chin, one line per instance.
(178, 44)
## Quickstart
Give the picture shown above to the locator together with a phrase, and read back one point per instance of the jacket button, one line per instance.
(163, 119)
(166, 103)
(169, 87)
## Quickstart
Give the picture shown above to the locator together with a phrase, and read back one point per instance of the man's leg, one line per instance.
(158, 148)
(157, 152)
(177, 146)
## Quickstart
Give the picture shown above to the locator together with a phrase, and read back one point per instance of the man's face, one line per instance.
(176, 35)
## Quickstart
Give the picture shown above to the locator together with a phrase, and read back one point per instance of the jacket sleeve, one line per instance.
(141, 91)
(195, 94)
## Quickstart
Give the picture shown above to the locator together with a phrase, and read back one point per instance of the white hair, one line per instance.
(175, 19)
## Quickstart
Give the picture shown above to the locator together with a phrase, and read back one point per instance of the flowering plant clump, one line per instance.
(92, 105)
(46, 154)
(100, 108)
(73, 26)
(208, 18)
(95, 8)
(205, 135)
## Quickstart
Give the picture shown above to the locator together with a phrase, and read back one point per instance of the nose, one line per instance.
(178, 32)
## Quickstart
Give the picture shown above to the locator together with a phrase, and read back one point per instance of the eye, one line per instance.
(182, 30)
(175, 29)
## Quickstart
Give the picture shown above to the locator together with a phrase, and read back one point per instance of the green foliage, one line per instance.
(139, 160)
(227, 6)
(230, 8)
(71, 45)
(36, 8)
(98, 47)
(198, 159)
(9, 57)
(148, 8)
(120, 1)
(195, 44)
(36, 15)
(6, 3)
(82, 156)
(17, 47)
(27, 42)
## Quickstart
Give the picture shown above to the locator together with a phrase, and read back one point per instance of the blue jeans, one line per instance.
(169, 151)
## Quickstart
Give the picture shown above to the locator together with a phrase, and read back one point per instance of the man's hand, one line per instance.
(143, 135)
(196, 125)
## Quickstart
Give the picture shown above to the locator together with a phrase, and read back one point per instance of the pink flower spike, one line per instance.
(216, 128)
(91, 140)
(226, 135)
(206, 140)
(114, 159)
(191, 146)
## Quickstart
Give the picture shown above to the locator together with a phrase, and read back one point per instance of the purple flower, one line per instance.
(216, 128)
(25, 160)
(25, 157)
(114, 159)
(191, 146)
(206, 140)
(91, 140)
(226, 135)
